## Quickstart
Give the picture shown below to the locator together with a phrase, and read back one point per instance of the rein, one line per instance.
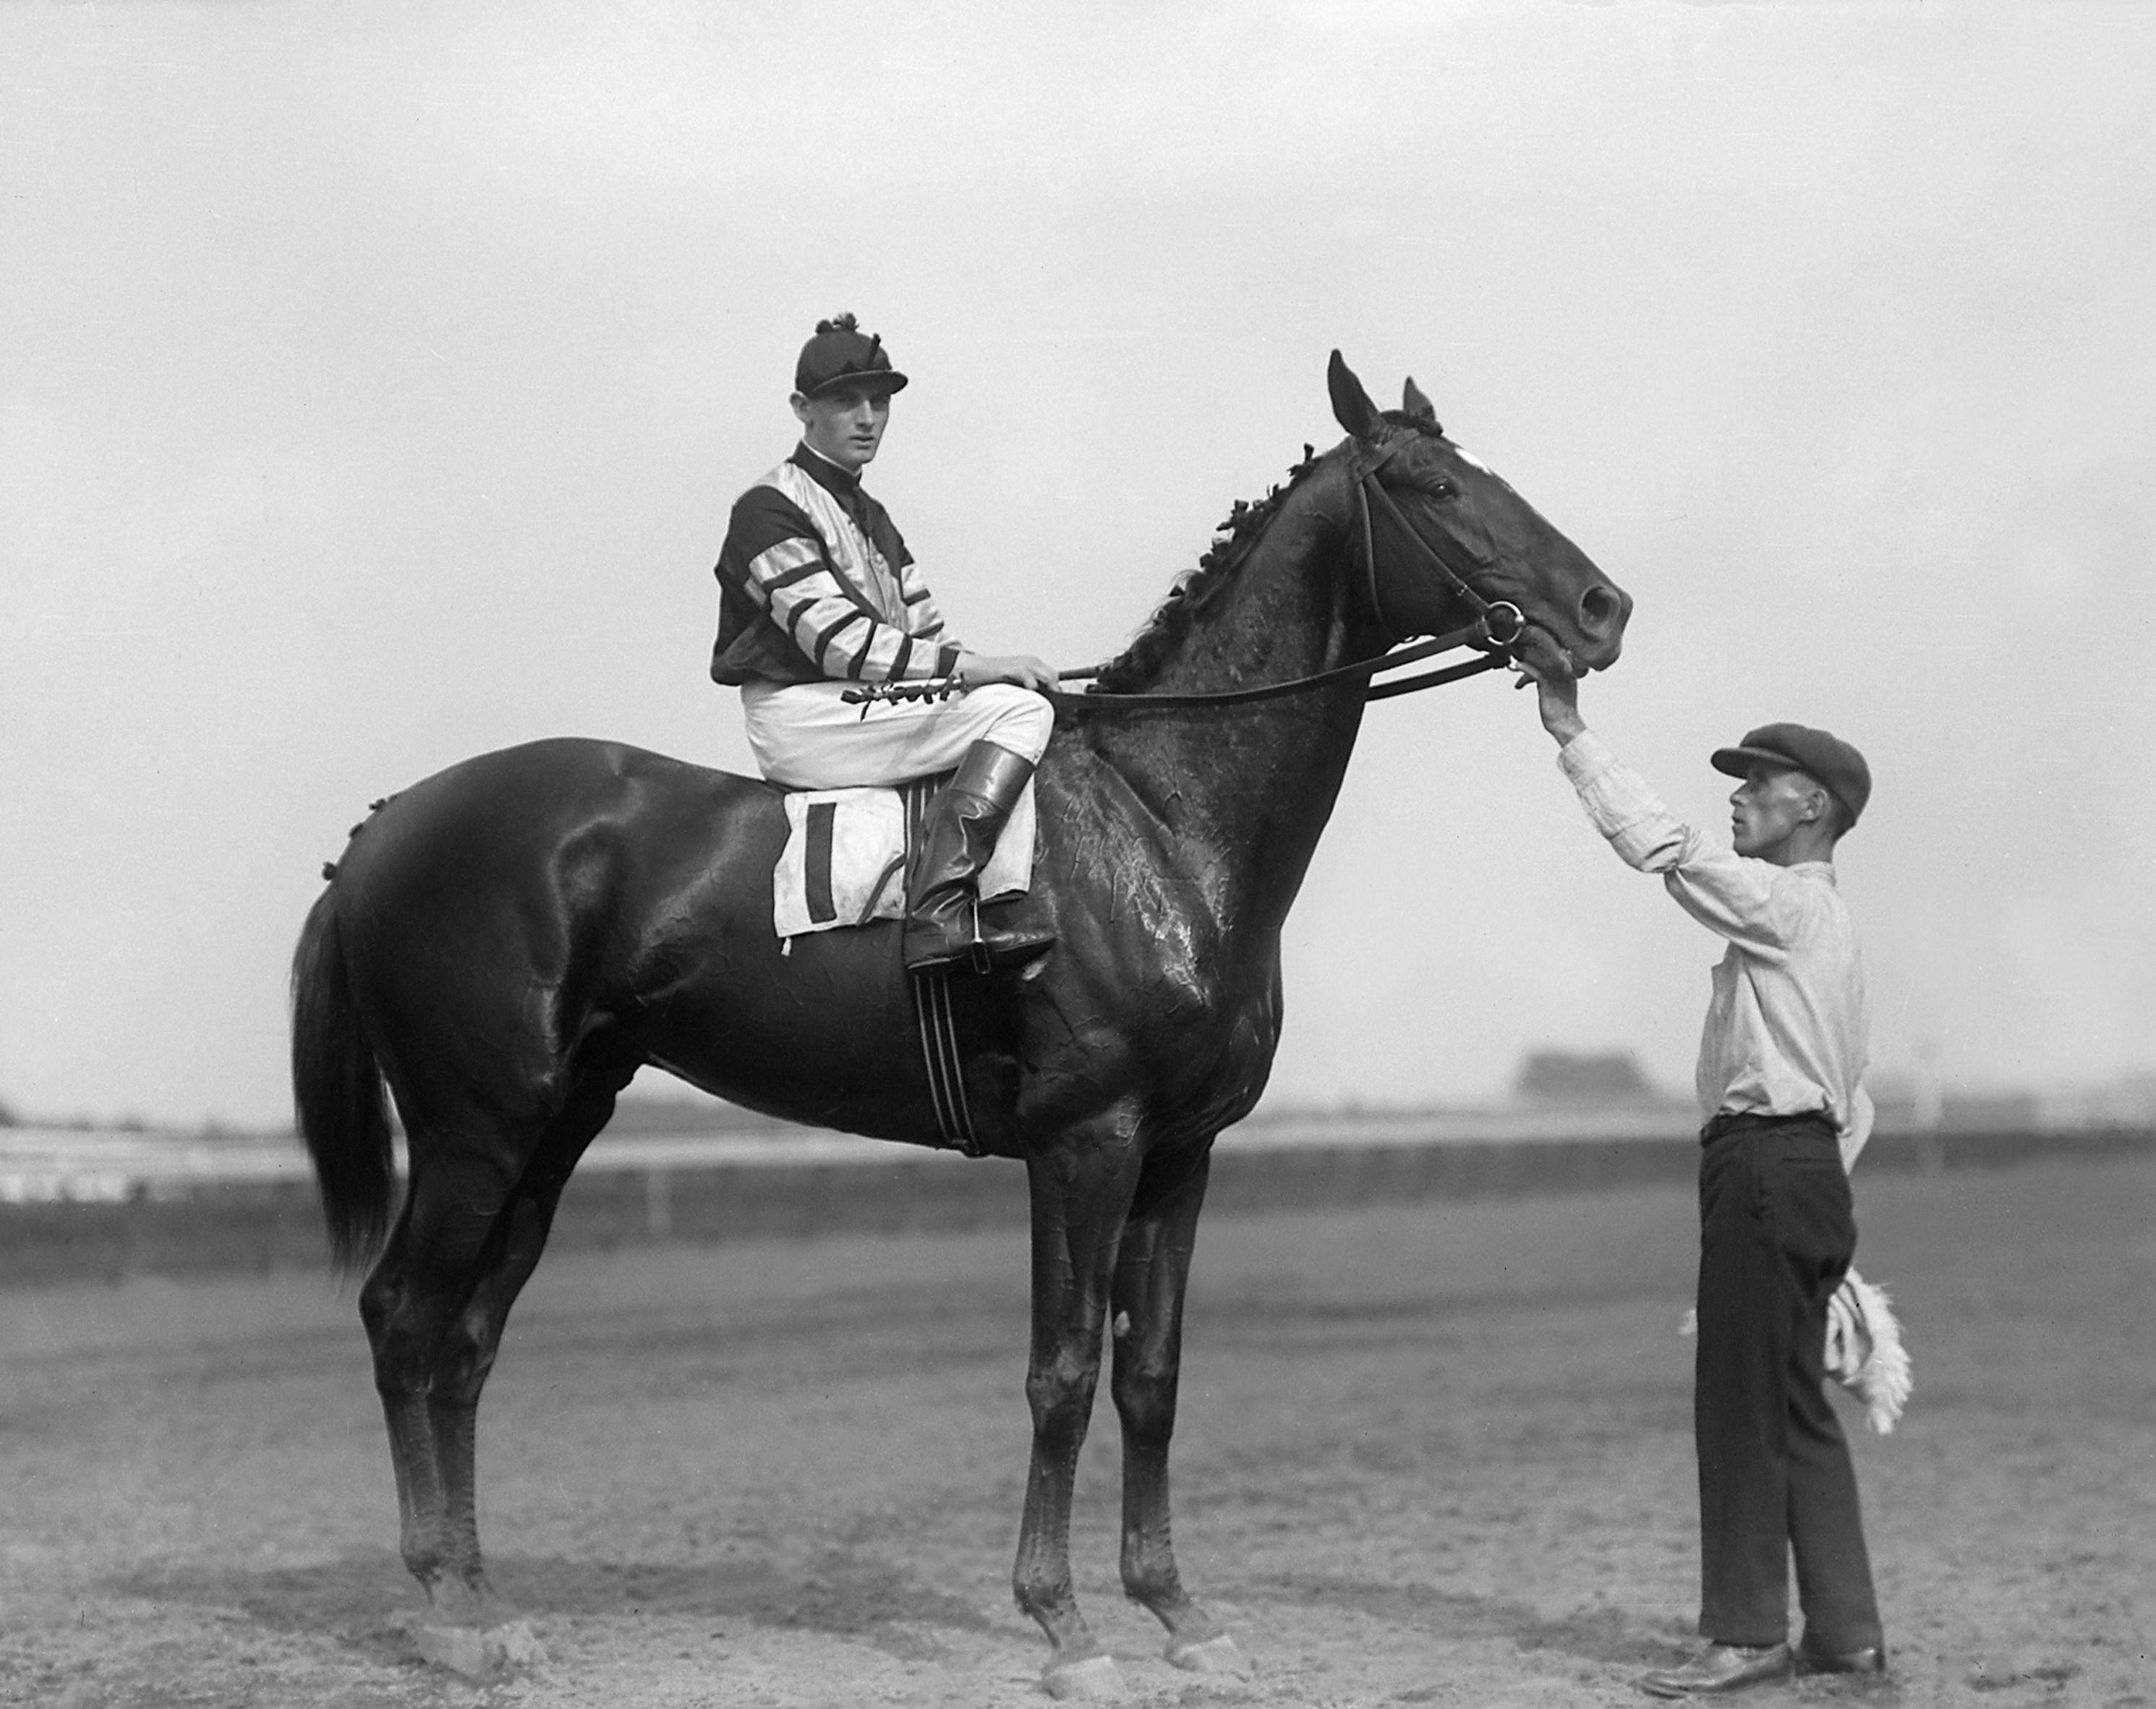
(1498, 628)
(1475, 634)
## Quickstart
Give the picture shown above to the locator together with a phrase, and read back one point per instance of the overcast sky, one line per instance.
(374, 383)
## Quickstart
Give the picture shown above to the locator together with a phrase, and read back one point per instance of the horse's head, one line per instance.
(1471, 528)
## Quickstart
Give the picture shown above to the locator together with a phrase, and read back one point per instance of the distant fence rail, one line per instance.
(109, 1165)
(76, 1204)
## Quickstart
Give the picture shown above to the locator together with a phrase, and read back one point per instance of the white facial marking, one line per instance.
(1471, 460)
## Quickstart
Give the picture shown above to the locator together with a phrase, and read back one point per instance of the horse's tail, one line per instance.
(337, 1093)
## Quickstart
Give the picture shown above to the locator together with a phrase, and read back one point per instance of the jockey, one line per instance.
(817, 594)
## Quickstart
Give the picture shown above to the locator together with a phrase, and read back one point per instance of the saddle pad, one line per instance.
(844, 859)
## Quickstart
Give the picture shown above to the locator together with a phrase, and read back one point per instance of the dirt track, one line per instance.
(1432, 1455)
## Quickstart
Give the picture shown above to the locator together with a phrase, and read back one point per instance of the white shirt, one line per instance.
(1787, 1029)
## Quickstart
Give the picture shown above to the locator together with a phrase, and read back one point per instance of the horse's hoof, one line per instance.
(454, 1601)
(476, 1653)
(1096, 1679)
(1217, 1655)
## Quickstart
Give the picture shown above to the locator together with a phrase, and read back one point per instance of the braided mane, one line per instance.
(1196, 590)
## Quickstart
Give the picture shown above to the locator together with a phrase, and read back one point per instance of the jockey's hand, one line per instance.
(975, 668)
(1557, 684)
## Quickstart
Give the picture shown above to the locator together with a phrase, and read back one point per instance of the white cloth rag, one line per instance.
(1863, 1350)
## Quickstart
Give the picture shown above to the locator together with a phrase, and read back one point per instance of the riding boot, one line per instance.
(943, 922)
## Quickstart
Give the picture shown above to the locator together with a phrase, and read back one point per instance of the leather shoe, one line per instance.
(1719, 1667)
(1871, 1659)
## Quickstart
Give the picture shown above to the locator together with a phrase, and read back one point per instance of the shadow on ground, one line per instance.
(366, 1598)
(1602, 1635)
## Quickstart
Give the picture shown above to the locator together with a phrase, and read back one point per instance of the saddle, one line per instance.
(849, 854)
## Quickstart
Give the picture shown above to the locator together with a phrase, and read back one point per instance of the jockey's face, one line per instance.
(846, 423)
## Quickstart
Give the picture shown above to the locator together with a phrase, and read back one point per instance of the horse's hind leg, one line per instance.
(1152, 1266)
(422, 1279)
(473, 1335)
(466, 1356)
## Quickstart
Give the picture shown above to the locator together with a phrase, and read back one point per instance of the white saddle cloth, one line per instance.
(844, 859)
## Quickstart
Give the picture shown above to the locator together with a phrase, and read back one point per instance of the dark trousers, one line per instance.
(1776, 1232)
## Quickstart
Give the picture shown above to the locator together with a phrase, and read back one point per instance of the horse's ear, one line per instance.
(1351, 404)
(1417, 405)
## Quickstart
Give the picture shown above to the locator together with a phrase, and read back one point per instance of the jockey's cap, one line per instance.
(840, 352)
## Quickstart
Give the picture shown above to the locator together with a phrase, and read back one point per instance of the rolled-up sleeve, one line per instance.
(1785, 1030)
(1725, 892)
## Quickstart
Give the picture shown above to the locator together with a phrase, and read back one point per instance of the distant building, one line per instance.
(1575, 1078)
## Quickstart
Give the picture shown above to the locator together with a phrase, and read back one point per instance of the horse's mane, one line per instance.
(1196, 590)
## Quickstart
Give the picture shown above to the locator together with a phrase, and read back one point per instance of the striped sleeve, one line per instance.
(834, 629)
(922, 617)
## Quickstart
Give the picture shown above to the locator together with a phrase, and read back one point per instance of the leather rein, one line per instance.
(1497, 629)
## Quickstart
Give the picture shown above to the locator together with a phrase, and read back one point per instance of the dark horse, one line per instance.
(507, 943)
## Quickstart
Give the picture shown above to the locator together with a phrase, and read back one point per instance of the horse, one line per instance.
(506, 944)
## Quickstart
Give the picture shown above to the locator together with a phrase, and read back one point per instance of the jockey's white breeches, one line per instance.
(804, 736)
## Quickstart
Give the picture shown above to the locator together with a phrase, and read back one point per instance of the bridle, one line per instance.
(1371, 497)
(1497, 628)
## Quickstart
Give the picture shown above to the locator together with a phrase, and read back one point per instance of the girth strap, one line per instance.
(940, 1054)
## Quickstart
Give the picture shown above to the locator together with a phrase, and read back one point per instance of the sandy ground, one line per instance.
(1436, 1455)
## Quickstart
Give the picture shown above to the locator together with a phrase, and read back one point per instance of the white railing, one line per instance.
(46, 1165)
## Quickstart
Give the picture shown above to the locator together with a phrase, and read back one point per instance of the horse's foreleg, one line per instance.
(1152, 1266)
(1080, 1195)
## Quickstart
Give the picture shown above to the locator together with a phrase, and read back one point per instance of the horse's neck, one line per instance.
(1245, 792)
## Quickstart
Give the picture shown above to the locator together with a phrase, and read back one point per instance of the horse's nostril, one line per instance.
(1601, 610)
